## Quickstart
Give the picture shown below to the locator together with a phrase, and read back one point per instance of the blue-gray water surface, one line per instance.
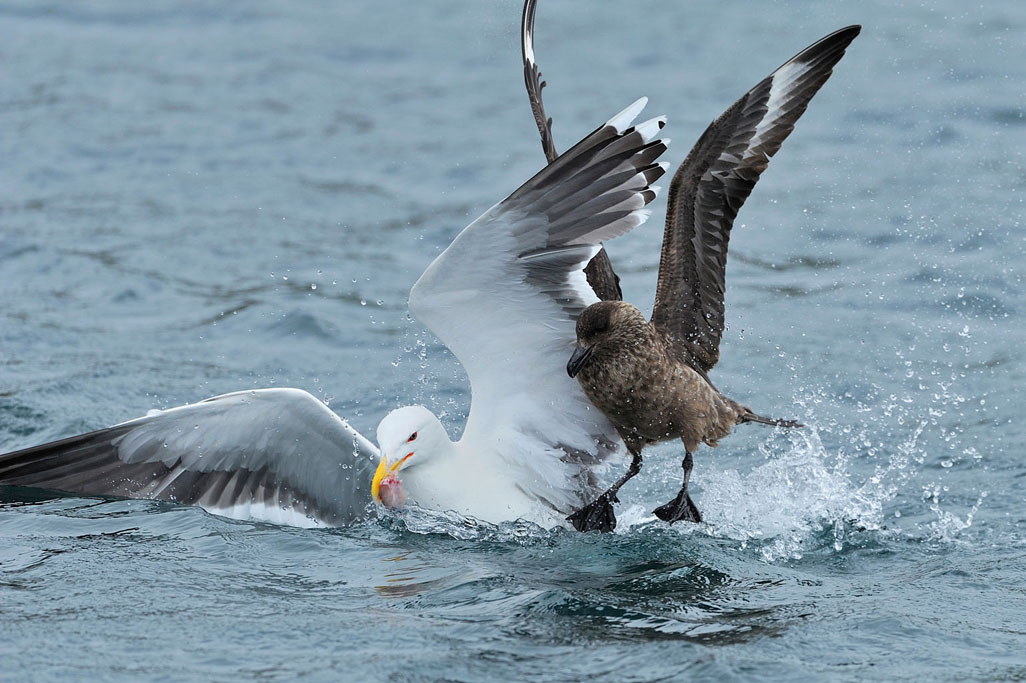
(197, 198)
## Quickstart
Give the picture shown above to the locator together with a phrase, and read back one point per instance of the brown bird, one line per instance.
(650, 377)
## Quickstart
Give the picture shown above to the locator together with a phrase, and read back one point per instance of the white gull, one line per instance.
(504, 297)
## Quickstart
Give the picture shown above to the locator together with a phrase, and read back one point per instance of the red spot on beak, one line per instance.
(391, 492)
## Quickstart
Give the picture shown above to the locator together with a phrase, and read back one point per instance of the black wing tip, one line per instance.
(61, 445)
(527, 32)
(848, 31)
(653, 172)
(836, 42)
(842, 35)
(646, 156)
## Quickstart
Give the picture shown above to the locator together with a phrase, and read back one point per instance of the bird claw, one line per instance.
(680, 508)
(597, 516)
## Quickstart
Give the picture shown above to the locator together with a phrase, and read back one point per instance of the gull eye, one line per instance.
(413, 437)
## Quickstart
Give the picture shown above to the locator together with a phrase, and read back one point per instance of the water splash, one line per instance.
(805, 496)
(427, 522)
(789, 499)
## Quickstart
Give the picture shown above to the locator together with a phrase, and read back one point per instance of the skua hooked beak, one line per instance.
(580, 356)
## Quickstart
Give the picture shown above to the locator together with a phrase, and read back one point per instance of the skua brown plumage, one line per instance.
(650, 377)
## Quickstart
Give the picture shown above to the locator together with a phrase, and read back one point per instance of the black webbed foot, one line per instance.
(597, 516)
(680, 508)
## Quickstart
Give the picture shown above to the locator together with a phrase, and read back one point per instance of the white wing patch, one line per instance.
(780, 91)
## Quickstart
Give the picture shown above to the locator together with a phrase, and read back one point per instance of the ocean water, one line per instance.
(200, 198)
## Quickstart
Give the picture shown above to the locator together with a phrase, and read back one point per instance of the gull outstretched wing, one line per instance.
(276, 455)
(505, 296)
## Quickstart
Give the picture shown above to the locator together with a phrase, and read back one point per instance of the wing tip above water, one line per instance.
(623, 120)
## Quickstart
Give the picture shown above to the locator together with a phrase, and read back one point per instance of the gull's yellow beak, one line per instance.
(383, 471)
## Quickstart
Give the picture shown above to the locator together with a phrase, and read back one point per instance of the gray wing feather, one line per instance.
(712, 184)
(533, 80)
(608, 160)
(599, 271)
(279, 448)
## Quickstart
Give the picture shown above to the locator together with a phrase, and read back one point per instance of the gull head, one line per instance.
(407, 437)
(605, 324)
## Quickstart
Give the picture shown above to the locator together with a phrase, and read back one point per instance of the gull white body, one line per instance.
(474, 484)
(503, 297)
